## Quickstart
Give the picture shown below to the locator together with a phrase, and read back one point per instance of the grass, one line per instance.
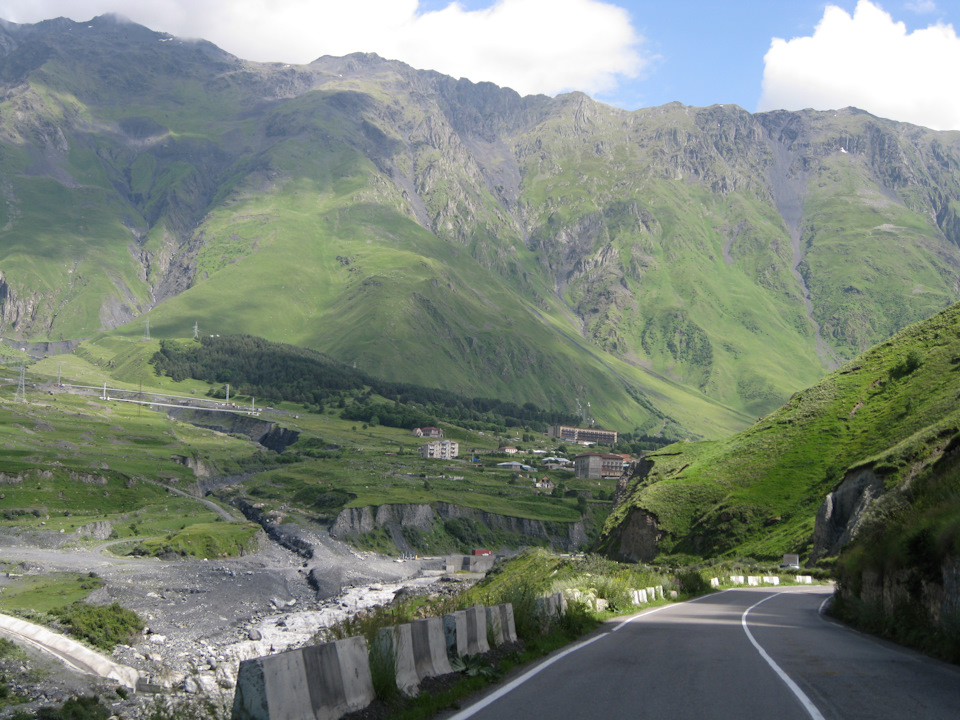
(205, 540)
(45, 593)
(757, 493)
(74, 460)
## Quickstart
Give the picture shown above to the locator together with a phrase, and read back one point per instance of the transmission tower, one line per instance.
(21, 394)
(196, 330)
(146, 331)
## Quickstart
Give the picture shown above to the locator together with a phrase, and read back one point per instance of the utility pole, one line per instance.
(228, 394)
(196, 330)
(59, 369)
(21, 394)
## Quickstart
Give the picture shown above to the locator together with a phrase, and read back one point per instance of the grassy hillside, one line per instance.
(680, 269)
(75, 459)
(757, 493)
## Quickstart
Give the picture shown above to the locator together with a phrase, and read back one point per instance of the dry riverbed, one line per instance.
(204, 617)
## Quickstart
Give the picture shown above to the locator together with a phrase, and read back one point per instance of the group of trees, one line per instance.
(637, 443)
(275, 371)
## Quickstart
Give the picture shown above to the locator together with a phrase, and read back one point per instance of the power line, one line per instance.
(21, 394)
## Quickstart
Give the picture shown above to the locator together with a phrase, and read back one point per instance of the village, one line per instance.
(585, 466)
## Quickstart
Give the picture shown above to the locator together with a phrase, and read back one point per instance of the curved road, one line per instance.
(739, 654)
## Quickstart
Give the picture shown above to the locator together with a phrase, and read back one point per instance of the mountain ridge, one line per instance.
(379, 212)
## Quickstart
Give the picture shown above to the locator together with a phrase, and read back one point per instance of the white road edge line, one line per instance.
(517, 682)
(808, 705)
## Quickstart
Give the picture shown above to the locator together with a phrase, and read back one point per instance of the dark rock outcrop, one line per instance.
(637, 539)
(287, 536)
(843, 510)
(268, 434)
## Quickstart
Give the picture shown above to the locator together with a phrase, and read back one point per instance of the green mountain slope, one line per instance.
(675, 267)
(878, 421)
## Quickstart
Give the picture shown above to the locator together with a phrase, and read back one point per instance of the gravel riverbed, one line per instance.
(204, 617)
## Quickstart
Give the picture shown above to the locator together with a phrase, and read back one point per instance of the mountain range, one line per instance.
(674, 270)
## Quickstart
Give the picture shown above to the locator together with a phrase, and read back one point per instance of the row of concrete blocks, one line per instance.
(755, 581)
(646, 595)
(640, 596)
(325, 682)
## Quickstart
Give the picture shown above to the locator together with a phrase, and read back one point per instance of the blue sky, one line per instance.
(896, 58)
(713, 52)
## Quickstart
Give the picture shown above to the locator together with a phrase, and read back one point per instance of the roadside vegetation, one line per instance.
(910, 547)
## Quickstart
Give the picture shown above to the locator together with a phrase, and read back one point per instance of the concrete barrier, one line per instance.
(68, 651)
(477, 630)
(639, 597)
(753, 581)
(394, 646)
(469, 563)
(321, 681)
(552, 606)
(455, 633)
(429, 648)
(771, 579)
(507, 625)
(805, 579)
(659, 591)
(495, 626)
(714, 582)
(737, 580)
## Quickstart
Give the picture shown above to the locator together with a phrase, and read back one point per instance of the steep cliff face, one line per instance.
(843, 512)
(359, 521)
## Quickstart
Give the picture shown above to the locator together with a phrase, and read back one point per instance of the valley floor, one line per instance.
(204, 617)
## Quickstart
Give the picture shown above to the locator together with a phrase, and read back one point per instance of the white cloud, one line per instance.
(922, 6)
(533, 46)
(870, 62)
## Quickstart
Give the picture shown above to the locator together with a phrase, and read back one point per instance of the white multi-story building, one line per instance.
(583, 435)
(440, 449)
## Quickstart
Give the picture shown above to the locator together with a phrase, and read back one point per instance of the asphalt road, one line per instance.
(725, 656)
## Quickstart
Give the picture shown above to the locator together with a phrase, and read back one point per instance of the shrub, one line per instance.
(692, 582)
(382, 655)
(76, 708)
(103, 627)
(8, 648)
